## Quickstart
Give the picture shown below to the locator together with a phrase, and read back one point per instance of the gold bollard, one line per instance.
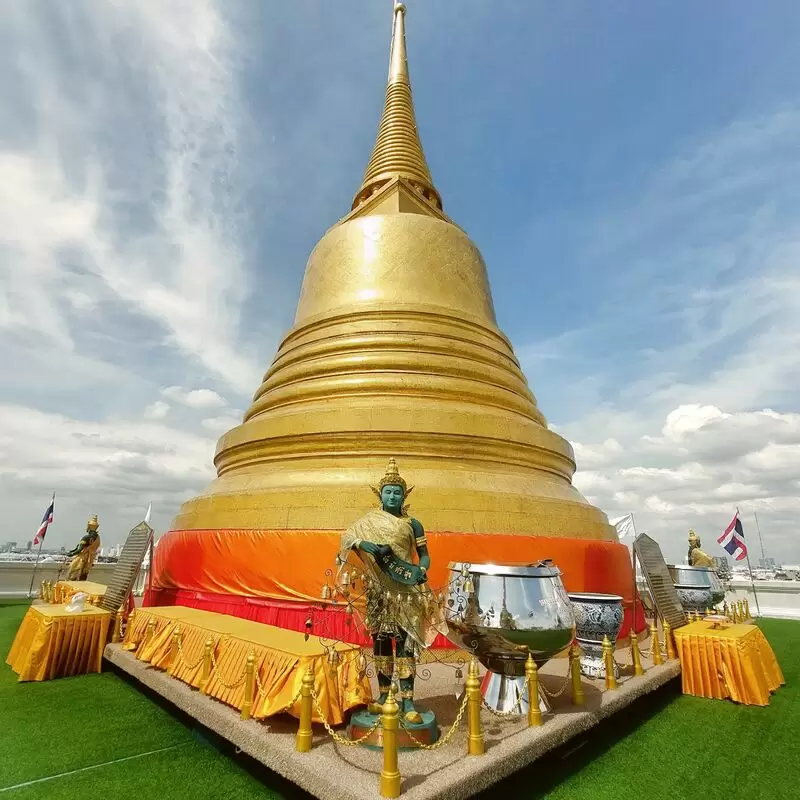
(725, 609)
(116, 633)
(532, 677)
(249, 684)
(635, 655)
(578, 698)
(735, 615)
(655, 644)
(608, 659)
(747, 614)
(176, 650)
(740, 608)
(206, 673)
(390, 720)
(304, 732)
(472, 685)
(669, 642)
(42, 593)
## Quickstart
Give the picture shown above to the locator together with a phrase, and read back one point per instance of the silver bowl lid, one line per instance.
(597, 596)
(540, 569)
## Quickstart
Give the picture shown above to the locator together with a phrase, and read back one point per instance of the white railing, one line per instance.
(15, 577)
(775, 598)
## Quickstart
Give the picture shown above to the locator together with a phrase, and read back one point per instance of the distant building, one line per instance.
(767, 563)
(30, 546)
(722, 565)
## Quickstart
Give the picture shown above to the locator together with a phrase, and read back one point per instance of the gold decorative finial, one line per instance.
(398, 150)
(93, 523)
(392, 477)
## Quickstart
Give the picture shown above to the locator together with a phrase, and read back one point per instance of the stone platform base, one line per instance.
(351, 773)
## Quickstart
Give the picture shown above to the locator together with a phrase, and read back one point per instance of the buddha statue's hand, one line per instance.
(418, 575)
(375, 550)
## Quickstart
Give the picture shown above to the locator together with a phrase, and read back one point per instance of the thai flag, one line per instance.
(733, 539)
(46, 520)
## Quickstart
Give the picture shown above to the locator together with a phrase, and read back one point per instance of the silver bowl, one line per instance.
(596, 616)
(698, 579)
(503, 613)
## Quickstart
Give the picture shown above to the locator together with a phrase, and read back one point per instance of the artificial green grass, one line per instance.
(669, 747)
(58, 726)
(689, 749)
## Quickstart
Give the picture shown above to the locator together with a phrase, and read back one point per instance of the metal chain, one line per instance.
(515, 712)
(447, 737)
(230, 686)
(567, 681)
(335, 736)
(190, 667)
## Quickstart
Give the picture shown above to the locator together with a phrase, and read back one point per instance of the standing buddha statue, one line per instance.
(401, 613)
(84, 554)
(697, 558)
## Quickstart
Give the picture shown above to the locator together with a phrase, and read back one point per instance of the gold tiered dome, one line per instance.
(395, 351)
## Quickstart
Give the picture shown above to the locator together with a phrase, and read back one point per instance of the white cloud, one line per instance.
(157, 410)
(224, 423)
(194, 398)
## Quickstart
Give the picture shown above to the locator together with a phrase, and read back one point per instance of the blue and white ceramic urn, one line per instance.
(596, 616)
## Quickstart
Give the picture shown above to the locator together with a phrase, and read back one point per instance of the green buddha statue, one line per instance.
(401, 613)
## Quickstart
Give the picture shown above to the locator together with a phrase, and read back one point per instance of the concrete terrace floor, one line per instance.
(98, 736)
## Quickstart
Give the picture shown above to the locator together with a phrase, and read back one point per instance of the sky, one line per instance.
(629, 171)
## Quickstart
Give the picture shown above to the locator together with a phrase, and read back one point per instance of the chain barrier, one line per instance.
(188, 666)
(559, 692)
(447, 737)
(229, 686)
(335, 736)
(515, 712)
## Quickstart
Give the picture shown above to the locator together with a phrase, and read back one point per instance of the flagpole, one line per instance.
(38, 554)
(750, 570)
(760, 540)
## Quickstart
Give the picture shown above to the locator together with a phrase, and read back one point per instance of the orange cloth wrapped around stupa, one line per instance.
(395, 351)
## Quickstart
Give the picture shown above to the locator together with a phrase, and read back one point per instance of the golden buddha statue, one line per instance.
(85, 552)
(697, 558)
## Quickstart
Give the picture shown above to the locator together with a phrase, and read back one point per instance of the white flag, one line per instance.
(624, 526)
(147, 515)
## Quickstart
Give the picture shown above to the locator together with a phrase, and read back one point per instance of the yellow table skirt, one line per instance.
(54, 643)
(735, 661)
(66, 590)
(281, 659)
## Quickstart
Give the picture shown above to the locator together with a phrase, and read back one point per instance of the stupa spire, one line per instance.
(398, 150)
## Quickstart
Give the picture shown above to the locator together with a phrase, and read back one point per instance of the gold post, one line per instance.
(655, 644)
(304, 732)
(578, 698)
(740, 609)
(532, 677)
(42, 590)
(725, 608)
(206, 673)
(637, 659)
(669, 642)
(249, 681)
(747, 609)
(608, 658)
(116, 633)
(176, 649)
(475, 744)
(390, 720)
(707, 613)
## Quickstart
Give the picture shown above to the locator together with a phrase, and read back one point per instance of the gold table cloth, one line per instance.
(54, 643)
(281, 659)
(66, 590)
(733, 661)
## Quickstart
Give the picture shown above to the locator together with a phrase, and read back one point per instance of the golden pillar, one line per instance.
(635, 655)
(669, 642)
(578, 697)
(390, 720)
(475, 743)
(655, 644)
(175, 649)
(305, 732)
(249, 685)
(608, 659)
(747, 609)
(532, 678)
(208, 653)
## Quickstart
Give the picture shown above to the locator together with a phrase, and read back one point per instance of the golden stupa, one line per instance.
(395, 351)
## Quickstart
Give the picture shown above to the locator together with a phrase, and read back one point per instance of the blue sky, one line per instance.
(628, 170)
